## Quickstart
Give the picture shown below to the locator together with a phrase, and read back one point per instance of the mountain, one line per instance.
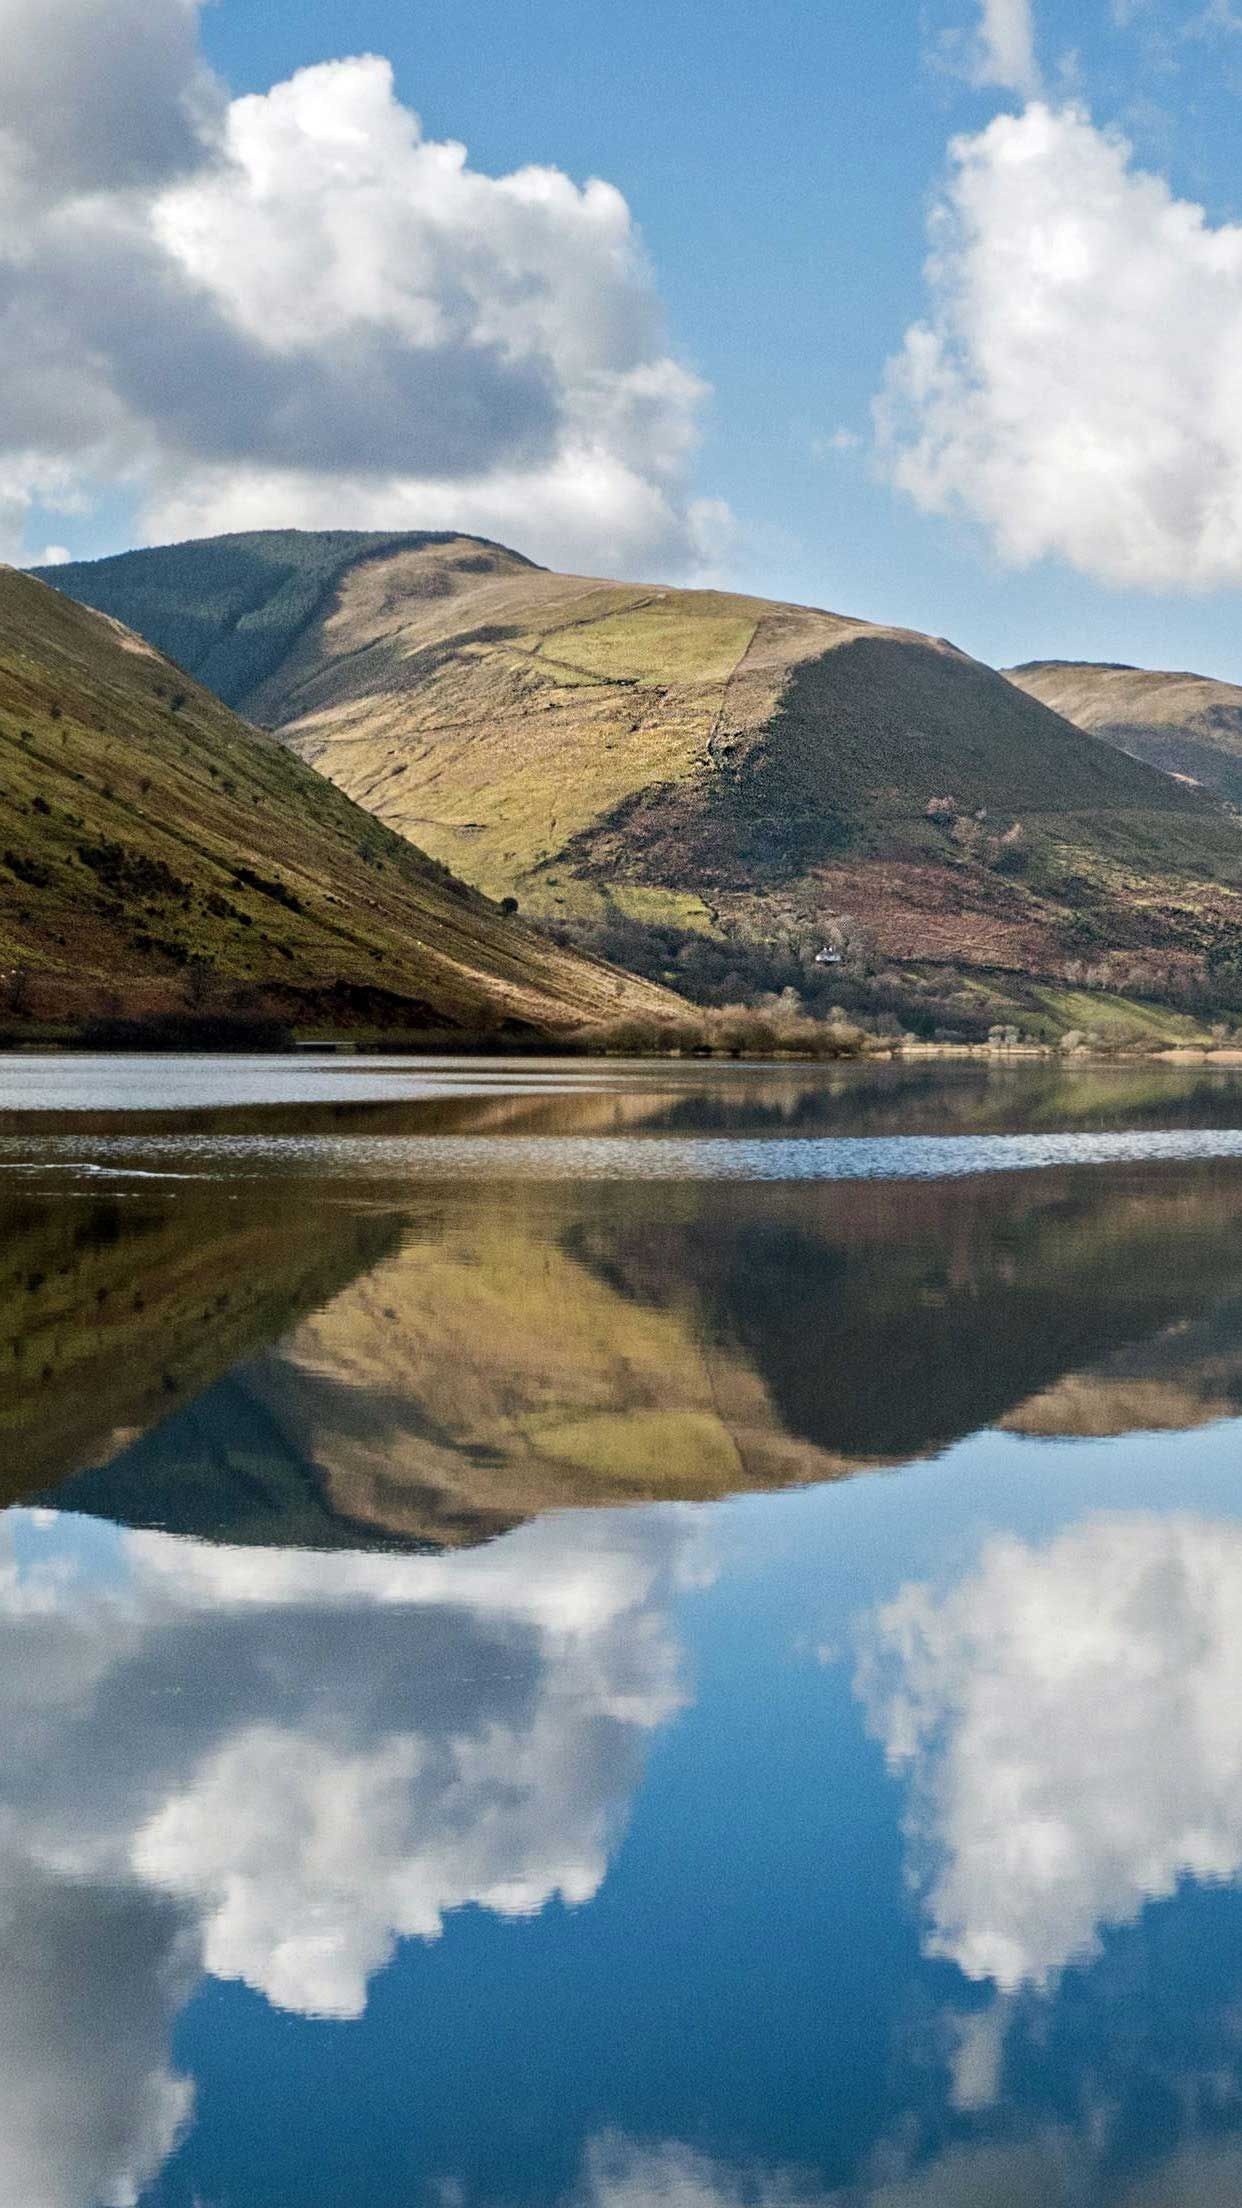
(158, 856)
(723, 791)
(1184, 724)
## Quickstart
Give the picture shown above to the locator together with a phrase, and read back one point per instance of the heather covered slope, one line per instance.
(156, 854)
(1184, 724)
(717, 788)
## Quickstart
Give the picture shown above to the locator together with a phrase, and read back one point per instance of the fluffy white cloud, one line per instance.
(1067, 1717)
(1078, 386)
(272, 1765)
(587, 511)
(294, 307)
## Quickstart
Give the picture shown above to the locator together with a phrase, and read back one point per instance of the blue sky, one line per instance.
(781, 165)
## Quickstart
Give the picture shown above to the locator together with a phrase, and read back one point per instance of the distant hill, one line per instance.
(727, 792)
(230, 609)
(1184, 724)
(158, 856)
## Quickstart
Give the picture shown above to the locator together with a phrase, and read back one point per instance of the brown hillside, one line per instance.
(732, 766)
(156, 855)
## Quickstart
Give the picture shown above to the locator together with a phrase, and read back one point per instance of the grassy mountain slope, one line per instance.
(1185, 724)
(156, 853)
(714, 787)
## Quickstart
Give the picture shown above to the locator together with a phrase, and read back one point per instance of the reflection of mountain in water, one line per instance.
(511, 1349)
(115, 1309)
(223, 1469)
(890, 1320)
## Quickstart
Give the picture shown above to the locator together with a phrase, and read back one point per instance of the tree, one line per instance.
(200, 980)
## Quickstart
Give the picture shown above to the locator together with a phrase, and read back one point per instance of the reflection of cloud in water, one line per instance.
(91, 1979)
(1068, 1715)
(273, 1765)
(1047, 2171)
(622, 2173)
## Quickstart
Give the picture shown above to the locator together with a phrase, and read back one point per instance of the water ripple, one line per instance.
(614, 1157)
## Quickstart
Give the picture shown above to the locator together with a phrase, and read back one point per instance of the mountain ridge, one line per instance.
(740, 795)
(278, 583)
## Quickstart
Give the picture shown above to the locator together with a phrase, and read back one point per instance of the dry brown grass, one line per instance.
(724, 1031)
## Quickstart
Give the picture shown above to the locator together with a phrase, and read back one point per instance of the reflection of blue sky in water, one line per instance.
(1067, 1721)
(271, 1765)
(239, 1781)
(1064, 1719)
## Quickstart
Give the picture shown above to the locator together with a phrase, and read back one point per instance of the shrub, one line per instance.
(279, 892)
(30, 871)
(726, 1031)
(132, 873)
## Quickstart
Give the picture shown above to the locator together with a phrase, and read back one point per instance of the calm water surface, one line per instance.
(607, 1637)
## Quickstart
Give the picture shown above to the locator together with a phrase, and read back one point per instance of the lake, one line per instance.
(607, 1636)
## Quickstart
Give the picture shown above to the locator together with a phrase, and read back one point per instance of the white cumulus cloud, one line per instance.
(295, 307)
(1077, 386)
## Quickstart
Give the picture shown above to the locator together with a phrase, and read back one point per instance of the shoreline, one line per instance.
(578, 1053)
